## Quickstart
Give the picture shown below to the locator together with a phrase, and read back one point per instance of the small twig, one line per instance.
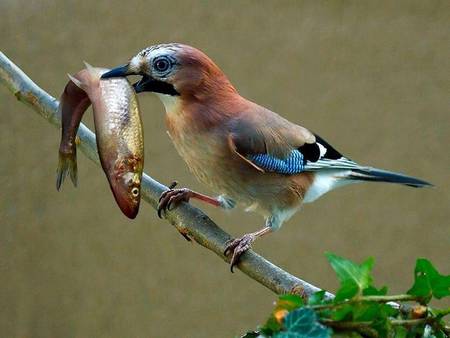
(411, 322)
(185, 217)
(378, 299)
(387, 299)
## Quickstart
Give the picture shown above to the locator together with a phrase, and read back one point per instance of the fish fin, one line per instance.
(93, 71)
(78, 83)
(67, 164)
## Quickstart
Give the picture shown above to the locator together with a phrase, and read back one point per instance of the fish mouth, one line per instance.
(127, 203)
(129, 207)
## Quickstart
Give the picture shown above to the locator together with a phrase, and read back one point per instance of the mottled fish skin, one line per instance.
(119, 134)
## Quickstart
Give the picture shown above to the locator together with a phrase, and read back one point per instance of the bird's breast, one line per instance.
(203, 151)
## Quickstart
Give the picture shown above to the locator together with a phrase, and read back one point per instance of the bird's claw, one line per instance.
(238, 246)
(171, 197)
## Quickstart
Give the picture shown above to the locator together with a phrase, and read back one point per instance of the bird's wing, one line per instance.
(270, 143)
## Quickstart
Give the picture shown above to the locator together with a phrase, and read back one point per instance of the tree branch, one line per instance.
(185, 217)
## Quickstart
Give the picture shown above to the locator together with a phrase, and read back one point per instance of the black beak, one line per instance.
(144, 85)
(120, 71)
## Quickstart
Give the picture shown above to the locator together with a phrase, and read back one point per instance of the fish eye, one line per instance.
(161, 64)
(135, 192)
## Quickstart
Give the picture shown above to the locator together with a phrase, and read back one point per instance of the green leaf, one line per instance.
(317, 298)
(348, 290)
(343, 313)
(441, 334)
(373, 291)
(439, 313)
(381, 323)
(303, 323)
(285, 304)
(353, 277)
(400, 332)
(290, 302)
(429, 282)
(366, 312)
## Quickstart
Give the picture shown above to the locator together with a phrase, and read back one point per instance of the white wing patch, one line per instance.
(323, 150)
(325, 181)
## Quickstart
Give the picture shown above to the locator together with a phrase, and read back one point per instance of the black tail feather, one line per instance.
(378, 175)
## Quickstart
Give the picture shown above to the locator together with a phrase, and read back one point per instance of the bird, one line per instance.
(247, 154)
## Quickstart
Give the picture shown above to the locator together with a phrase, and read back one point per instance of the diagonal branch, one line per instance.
(185, 217)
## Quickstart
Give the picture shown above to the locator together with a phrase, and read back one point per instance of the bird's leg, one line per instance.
(171, 197)
(239, 245)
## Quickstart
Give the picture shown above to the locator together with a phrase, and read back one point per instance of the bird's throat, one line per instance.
(171, 103)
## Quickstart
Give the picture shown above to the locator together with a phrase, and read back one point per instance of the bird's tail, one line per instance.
(379, 175)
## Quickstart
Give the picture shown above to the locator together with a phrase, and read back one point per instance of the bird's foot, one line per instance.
(238, 246)
(171, 197)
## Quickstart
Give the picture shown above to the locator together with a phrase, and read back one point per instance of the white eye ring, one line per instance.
(135, 192)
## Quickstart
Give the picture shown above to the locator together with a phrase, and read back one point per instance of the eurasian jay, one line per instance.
(248, 154)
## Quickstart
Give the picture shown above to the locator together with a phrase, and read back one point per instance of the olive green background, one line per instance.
(370, 77)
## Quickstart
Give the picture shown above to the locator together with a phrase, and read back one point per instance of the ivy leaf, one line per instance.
(344, 312)
(285, 304)
(439, 313)
(317, 298)
(400, 332)
(303, 323)
(429, 282)
(367, 312)
(373, 291)
(353, 277)
(381, 323)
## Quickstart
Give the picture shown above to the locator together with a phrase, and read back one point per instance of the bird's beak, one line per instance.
(120, 71)
(144, 84)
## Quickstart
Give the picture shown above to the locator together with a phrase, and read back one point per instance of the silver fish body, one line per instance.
(119, 134)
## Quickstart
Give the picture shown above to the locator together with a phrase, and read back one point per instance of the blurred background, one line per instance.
(370, 77)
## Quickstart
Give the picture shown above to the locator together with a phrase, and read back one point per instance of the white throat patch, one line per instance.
(171, 103)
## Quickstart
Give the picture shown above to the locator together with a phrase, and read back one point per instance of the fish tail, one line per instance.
(67, 164)
(87, 78)
(79, 84)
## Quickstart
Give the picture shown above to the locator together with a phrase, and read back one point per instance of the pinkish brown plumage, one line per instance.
(245, 152)
(118, 129)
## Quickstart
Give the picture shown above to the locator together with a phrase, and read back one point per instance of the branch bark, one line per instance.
(185, 217)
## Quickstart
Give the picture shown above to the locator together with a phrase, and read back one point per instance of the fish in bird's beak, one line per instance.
(120, 71)
(124, 70)
(148, 83)
(119, 132)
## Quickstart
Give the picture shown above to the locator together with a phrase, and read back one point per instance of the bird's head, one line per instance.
(176, 70)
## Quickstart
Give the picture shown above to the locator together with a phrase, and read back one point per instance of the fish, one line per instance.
(118, 128)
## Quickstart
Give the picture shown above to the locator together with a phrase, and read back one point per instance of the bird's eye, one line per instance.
(135, 192)
(161, 64)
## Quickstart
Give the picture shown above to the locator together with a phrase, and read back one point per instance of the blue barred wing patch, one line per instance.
(293, 164)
